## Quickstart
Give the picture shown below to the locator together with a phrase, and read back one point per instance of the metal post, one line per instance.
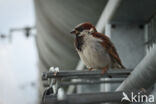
(86, 74)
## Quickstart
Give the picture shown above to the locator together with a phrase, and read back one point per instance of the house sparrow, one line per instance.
(95, 49)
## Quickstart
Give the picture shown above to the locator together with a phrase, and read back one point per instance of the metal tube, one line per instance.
(87, 82)
(144, 75)
(107, 14)
(91, 98)
(79, 74)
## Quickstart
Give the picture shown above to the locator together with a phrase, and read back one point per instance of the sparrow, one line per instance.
(95, 49)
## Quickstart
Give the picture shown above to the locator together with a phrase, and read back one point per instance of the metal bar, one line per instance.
(107, 14)
(79, 74)
(95, 76)
(88, 82)
(144, 75)
(90, 98)
(80, 66)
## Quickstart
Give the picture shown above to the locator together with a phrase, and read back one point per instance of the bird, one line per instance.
(95, 49)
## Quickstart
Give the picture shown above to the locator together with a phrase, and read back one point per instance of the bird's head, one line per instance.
(83, 27)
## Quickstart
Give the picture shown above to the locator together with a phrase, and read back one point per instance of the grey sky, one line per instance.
(15, 13)
(18, 60)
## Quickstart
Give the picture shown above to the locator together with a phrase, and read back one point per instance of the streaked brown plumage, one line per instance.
(95, 49)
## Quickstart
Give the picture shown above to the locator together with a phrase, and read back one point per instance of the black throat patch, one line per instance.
(79, 42)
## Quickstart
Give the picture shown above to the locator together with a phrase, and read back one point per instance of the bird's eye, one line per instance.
(80, 29)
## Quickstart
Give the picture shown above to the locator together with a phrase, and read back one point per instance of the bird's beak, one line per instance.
(74, 31)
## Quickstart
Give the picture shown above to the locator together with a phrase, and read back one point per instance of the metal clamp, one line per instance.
(54, 84)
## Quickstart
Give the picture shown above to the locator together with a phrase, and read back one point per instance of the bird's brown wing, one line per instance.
(109, 47)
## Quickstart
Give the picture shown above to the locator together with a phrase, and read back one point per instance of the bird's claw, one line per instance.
(90, 69)
(105, 69)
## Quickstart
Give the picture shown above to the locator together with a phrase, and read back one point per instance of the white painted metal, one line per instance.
(107, 14)
(106, 87)
(143, 75)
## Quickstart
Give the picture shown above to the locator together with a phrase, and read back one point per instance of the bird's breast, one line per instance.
(79, 41)
(93, 54)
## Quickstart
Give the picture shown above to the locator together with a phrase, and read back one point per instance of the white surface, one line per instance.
(18, 70)
(18, 60)
(16, 13)
(107, 14)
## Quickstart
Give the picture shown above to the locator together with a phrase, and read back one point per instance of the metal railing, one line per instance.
(58, 79)
(82, 74)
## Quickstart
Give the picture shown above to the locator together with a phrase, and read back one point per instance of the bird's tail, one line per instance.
(120, 66)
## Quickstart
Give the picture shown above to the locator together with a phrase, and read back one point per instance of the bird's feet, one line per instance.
(105, 69)
(90, 69)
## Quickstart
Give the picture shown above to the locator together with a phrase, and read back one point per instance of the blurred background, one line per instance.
(18, 54)
(34, 35)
